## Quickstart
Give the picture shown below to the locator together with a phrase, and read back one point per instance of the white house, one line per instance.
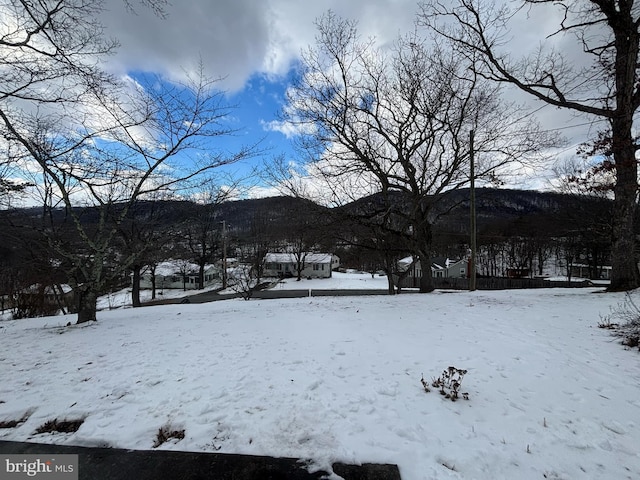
(178, 274)
(314, 265)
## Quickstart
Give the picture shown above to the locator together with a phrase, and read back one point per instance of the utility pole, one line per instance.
(224, 254)
(472, 204)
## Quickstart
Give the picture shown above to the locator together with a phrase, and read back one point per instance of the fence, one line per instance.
(494, 283)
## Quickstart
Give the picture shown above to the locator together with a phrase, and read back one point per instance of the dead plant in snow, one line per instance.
(448, 383)
(166, 433)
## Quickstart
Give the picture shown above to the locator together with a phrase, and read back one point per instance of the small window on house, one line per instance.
(316, 266)
(462, 272)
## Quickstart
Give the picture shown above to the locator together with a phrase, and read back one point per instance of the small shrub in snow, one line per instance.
(629, 313)
(13, 423)
(33, 302)
(60, 426)
(166, 433)
(607, 324)
(448, 383)
(10, 423)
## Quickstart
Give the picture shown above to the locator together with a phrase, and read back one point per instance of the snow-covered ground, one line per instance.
(338, 379)
(346, 281)
(350, 280)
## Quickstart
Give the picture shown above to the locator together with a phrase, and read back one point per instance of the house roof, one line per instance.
(290, 258)
(440, 263)
(405, 262)
(437, 263)
(174, 267)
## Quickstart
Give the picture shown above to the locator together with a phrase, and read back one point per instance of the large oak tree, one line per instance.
(396, 122)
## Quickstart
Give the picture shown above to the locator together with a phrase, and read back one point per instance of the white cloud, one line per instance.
(288, 129)
(237, 38)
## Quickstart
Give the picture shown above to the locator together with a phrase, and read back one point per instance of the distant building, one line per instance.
(580, 270)
(517, 273)
(179, 274)
(315, 265)
(441, 267)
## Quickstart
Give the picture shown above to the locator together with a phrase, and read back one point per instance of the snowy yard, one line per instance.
(338, 379)
(339, 280)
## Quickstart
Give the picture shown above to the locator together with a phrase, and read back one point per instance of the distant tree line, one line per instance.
(518, 230)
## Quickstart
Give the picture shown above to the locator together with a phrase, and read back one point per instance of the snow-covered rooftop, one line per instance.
(174, 267)
(291, 258)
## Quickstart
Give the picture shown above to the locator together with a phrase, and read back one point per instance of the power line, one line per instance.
(573, 126)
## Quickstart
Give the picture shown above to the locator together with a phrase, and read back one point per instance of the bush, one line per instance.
(624, 322)
(60, 426)
(31, 304)
(166, 433)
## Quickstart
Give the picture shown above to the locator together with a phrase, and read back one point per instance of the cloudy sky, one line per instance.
(239, 39)
(252, 45)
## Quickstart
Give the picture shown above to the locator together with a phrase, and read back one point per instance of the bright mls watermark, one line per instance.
(50, 467)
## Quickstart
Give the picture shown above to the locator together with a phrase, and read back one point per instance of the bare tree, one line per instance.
(302, 233)
(202, 226)
(591, 212)
(398, 120)
(142, 238)
(99, 143)
(258, 241)
(10, 187)
(608, 88)
(369, 225)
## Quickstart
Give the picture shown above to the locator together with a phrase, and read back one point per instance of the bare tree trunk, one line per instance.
(390, 286)
(624, 264)
(424, 242)
(569, 259)
(300, 258)
(135, 288)
(426, 280)
(390, 267)
(152, 272)
(201, 275)
(87, 305)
